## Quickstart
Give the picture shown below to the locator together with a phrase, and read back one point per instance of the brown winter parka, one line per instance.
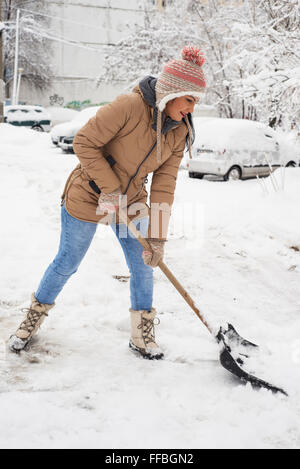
(117, 148)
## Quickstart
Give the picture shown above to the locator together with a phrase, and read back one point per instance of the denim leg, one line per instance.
(141, 280)
(76, 237)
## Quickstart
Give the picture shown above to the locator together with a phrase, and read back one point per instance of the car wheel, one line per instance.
(196, 175)
(37, 128)
(234, 174)
(291, 164)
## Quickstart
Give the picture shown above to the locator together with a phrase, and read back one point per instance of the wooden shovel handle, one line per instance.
(126, 220)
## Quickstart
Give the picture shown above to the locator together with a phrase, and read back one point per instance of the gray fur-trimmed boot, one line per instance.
(143, 335)
(33, 320)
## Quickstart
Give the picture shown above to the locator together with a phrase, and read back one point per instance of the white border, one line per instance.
(162, 104)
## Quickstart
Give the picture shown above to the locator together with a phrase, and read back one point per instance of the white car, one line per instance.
(63, 134)
(33, 117)
(238, 149)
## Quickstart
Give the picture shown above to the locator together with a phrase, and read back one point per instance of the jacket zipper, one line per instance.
(139, 167)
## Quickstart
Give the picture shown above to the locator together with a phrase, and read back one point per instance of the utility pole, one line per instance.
(20, 71)
(1, 68)
(15, 84)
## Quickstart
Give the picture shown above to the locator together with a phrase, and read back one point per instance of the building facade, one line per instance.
(80, 30)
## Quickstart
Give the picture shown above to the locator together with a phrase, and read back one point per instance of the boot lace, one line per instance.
(31, 320)
(147, 326)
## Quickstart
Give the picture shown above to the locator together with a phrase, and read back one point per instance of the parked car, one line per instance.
(34, 117)
(238, 149)
(63, 134)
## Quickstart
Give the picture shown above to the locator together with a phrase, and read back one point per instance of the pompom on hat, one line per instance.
(180, 78)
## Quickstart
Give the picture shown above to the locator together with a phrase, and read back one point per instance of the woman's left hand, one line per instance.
(153, 257)
(110, 202)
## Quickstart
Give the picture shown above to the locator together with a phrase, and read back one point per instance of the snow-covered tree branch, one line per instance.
(145, 50)
(250, 47)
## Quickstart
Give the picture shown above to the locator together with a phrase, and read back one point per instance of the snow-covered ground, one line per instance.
(235, 249)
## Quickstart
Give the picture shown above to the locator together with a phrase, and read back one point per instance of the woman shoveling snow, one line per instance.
(140, 133)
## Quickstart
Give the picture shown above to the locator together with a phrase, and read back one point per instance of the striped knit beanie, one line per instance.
(180, 78)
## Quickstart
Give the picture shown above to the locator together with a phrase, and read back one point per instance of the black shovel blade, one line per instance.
(231, 364)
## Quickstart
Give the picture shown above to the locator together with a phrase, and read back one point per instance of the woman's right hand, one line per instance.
(153, 257)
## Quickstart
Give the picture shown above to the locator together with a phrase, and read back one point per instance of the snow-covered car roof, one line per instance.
(26, 113)
(86, 114)
(233, 134)
(61, 115)
(69, 129)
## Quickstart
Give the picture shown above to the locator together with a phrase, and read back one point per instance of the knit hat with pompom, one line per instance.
(180, 78)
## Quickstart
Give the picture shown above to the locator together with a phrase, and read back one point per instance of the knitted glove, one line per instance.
(153, 257)
(110, 202)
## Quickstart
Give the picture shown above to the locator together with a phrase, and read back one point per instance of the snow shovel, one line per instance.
(234, 349)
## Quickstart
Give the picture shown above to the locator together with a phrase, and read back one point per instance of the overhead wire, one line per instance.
(99, 7)
(45, 34)
(61, 3)
(60, 18)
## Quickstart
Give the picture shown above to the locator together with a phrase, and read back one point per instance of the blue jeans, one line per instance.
(76, 237)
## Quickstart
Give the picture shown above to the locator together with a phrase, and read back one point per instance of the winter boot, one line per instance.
(35, 316)
(142, 334)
